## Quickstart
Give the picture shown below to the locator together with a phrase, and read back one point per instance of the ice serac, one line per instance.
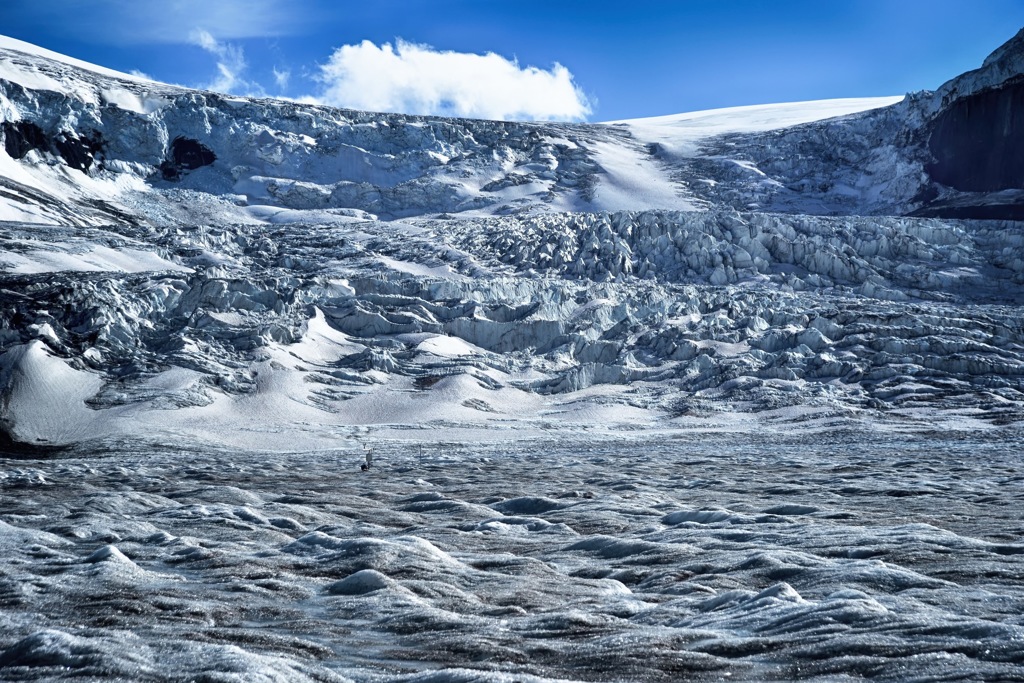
(193, 267)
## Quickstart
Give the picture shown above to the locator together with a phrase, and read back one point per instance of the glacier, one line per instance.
(729, 394)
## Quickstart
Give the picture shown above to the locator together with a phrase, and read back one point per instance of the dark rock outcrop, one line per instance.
(22, 137)
(977, 142)
(185, 154)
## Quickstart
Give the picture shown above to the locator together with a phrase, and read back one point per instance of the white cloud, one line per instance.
(417, 79)
(281, 77)
(231, 64)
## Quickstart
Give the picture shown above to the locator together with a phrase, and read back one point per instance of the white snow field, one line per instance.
(729, 395)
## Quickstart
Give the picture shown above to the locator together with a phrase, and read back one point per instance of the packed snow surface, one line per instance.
(682, 132)
(729, 395)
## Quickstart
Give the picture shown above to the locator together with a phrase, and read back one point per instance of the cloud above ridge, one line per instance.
(231, 64)
(417, 79)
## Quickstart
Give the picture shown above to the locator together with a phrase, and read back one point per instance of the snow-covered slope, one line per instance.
(19, 73)
(683, 133)
(85, 145)
(195, 266)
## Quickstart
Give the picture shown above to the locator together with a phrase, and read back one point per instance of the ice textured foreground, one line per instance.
(734, 557)
(729, 395)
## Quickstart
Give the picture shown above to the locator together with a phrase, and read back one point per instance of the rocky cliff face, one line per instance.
(975, 137)
(976, 141)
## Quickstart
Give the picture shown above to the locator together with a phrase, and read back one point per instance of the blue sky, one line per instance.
(592, 60)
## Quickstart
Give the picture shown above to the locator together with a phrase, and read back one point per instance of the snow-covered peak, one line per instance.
(1004, 65)
(137, 143)
(1011, 49)
(201, 266)
(760, 117)
(683, 133)
(87, 145)
(8, 44)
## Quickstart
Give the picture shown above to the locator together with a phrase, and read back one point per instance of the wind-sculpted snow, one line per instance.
(732, 557)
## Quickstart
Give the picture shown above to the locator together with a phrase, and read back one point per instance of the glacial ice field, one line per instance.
(849, 556)
(720, 396)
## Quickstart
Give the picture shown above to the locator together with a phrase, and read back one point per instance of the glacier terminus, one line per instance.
(727, 395)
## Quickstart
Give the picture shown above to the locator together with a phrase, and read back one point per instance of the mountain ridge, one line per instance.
(219, 269)
(536, 171)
